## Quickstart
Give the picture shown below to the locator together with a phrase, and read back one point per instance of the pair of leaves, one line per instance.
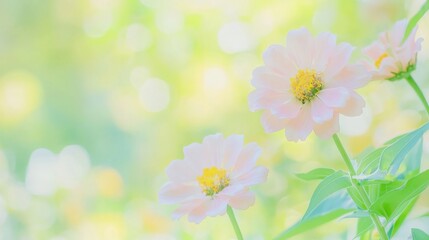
(388, 159)
(393, 203)
(329, 201)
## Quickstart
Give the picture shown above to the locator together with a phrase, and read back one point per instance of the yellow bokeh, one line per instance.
(20, 95)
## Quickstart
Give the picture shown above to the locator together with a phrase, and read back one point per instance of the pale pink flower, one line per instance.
(306, 85)
(389, 56)
(212, 175)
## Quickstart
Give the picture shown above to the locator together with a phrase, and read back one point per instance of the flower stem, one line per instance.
(359, 188)
(234, 223)
(418, 91)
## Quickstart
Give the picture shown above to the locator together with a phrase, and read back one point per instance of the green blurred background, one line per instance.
(98, 96)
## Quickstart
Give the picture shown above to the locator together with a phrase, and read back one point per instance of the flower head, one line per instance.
(306, 85)
(389, 56)
(212, 175)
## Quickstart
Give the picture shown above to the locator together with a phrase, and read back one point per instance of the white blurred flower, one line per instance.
(236, 37)
(137, 38)
(48, 172)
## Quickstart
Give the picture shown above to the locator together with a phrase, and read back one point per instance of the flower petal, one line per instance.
(267, 99)
(272, 123)
(265, 78)
(328, 128)
(172, 193)
(374, 51)
(233, 146)
(242, 200)
(196, 155)
(276, 58)
(324, 45)
(334, 97)
(408, 51)
(299, 45)
(300, 127)
(320, 112)
(351, 77)
(247, 159)
(186, 208)
(214, 149)
(231, 190)
(388, 68)
(181, 171)
(256, 175)
(287, 110)
(210, 207)
(395, 35)
(339, 58)
(354, 105)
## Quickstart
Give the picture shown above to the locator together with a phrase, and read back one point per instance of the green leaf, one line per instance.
(358, 214)
(331, 184)
(354, 194)
(315, 174)
(387, 160)
(413, 160)
(393, 203)
(370, 162)
(332, 208)
(329, 201)
(419, 234)
(402, 217)
(415, 19)
(364, 226)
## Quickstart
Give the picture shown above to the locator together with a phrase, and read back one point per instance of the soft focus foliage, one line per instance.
(97, 97)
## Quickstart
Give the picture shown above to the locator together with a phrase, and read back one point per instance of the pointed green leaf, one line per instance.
(364, 226)
(413, 160)
(331, 184)
(402, 217)
(415, 19)
(388, 159)
(318, 173)
(354, 194)
(332, 208)
(419, 234)
(358, 214)
(329, 201)
(394, 202)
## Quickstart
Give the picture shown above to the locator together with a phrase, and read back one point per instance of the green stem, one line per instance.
(234, 223)
(418, 91)
(359, 188)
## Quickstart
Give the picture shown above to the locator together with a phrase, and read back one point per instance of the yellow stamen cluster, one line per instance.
(377, 62)
(213, 180)
(305, 85)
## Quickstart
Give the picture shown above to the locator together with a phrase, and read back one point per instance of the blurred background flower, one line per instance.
(97, 97)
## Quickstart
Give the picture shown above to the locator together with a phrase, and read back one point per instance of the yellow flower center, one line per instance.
(377, 62)
(213, 180)
(306, 84)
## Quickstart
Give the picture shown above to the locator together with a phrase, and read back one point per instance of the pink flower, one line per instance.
(389, 56)
(213, 174)
(306, 85)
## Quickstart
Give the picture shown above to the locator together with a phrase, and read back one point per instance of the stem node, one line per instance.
(359, 188)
